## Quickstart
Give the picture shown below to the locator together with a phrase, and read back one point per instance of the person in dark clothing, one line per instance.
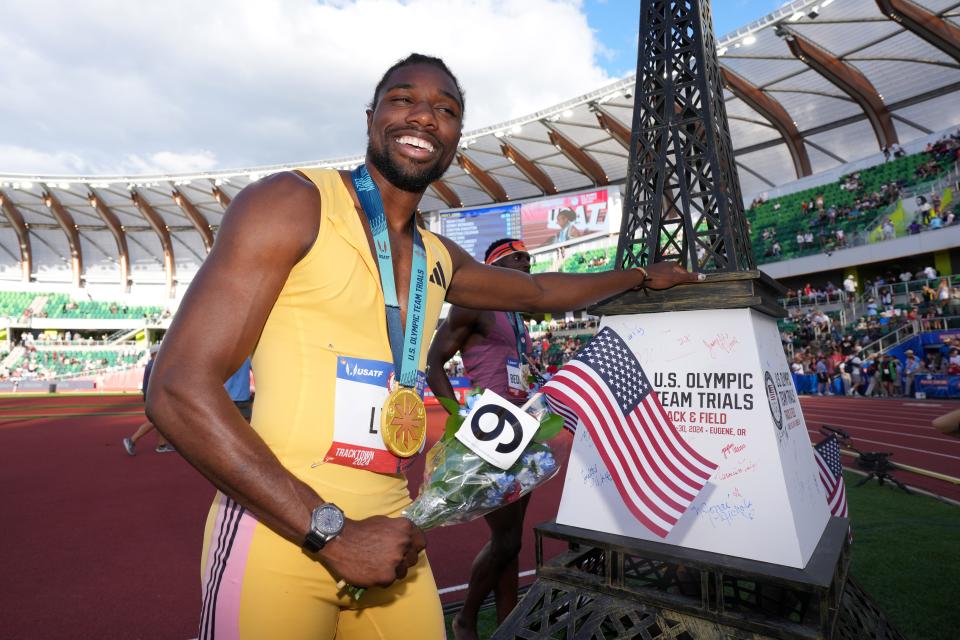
(130, 443)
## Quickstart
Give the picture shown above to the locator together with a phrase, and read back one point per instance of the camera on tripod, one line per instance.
(876, 463)
(873, 460)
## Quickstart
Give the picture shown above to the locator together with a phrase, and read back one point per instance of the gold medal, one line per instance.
(403, 422)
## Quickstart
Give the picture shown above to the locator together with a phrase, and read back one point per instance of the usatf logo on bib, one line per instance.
(366, 371)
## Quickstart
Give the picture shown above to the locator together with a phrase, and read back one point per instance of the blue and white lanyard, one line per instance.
(405, 346)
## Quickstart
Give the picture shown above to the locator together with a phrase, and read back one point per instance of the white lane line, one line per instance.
(881, 411)
(463, 587)
(896, 446)
(882, 420)
(943, 440)
(859, 403)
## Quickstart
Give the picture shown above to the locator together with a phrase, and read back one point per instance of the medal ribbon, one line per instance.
(519, 332)
(405, 346)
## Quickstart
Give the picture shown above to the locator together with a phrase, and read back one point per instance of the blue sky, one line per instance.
(617, 24)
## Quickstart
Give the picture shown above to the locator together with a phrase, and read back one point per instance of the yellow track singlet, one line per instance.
(330, 311)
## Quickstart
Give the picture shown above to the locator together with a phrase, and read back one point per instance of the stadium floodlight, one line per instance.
(568, 113)
(749, 40)
(722, 50)
(516, 129)
(797, 16)
(498, 134)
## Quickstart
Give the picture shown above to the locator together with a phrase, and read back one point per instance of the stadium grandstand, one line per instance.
(844, 121)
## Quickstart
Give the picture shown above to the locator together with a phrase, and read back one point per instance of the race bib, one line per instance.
(516, 380)
(497, 430)
(362, 387)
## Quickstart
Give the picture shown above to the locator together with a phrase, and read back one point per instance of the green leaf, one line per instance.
(451, 405)
(550, 426)
(452, 425)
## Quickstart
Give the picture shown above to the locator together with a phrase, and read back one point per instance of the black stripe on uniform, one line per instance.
(228, 533)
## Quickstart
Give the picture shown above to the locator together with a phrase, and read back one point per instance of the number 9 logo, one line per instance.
(504, 417)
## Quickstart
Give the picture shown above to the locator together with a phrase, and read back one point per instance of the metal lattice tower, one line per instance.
(683, 198)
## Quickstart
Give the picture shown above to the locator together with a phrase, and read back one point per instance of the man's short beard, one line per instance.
(416, 183)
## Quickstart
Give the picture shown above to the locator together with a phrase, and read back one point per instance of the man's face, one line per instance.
(414, 127)
(519, 261)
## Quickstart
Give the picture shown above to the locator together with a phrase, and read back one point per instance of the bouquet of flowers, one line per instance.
(460, 486)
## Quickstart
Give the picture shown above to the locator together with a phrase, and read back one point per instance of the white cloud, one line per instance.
(116, 84)
(25, 160)
(166, 162)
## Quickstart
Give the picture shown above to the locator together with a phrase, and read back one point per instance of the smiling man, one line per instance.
(326, 279)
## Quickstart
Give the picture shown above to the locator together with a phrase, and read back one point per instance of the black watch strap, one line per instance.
(314, 542)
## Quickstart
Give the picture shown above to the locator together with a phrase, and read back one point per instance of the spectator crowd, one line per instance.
(821, 347)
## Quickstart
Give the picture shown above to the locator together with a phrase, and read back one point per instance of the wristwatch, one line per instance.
(326, 524)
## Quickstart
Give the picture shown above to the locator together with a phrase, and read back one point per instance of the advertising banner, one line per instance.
(566, 217)
(938, 385)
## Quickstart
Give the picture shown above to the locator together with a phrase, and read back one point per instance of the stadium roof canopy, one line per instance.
(810, 87)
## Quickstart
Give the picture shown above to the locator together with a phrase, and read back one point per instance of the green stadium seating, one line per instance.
(77, 360)
(14, 303)
(56, 307)
(790, 218)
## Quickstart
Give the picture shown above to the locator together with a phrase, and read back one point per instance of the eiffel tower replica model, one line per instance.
(683, 203)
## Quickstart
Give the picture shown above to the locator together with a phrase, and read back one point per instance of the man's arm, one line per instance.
(268, 228)
(450, 338)
(486, 287)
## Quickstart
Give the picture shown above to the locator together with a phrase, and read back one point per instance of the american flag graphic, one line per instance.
(570, 419)
(657, 473)
(827, 455)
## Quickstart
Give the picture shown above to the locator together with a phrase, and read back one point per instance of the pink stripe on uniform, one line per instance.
(231, 585)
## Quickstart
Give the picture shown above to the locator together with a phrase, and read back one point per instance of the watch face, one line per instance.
(328, 519)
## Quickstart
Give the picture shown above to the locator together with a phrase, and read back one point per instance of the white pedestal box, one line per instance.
(723, 377)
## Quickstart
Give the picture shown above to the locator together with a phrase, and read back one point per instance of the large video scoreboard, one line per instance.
(475, 229)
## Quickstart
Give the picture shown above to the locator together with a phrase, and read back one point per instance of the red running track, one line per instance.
(901, 427)
(95, 544)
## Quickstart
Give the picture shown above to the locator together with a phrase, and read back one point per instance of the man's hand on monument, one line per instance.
(663, 275)
(374, 552)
